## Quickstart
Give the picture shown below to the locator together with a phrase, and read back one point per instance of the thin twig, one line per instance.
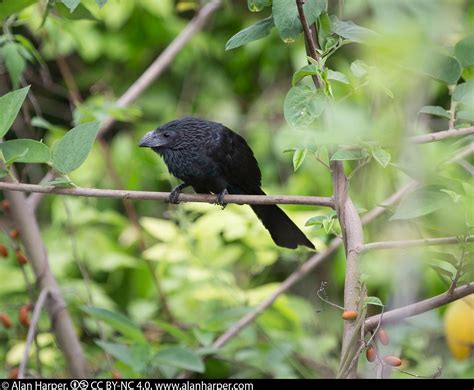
(164, 196)
(458, 275)
(84, 273)
(441, 135)
(36, 197)
(309, 39)
(401, 244)
(32, 331)
(402, 313)
(163, 60)
(322, 288)
(426, 138)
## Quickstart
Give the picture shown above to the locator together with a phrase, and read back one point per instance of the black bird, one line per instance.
(213, 159)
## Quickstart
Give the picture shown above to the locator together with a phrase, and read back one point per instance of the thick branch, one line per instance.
(351, 226)
(164, 196)
(414, 243)
(440, 135)
(163, 60)
(61, 321)
(414, 309)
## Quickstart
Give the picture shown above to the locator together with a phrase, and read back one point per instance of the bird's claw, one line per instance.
(174, 196)
(220, 198)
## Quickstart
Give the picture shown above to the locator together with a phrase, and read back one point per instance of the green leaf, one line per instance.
(464, 51)
(118, 322)
(258, 5)
(307, 70)
(3, 173)
(436, 111)
(72, 150)
(337, 76)
(10, 105)
(136, 357)
(464, 92)
(9, 7)
(259, 30)
(359, 68)
(373, 301)
(468, 268)
(421, 202)
(324, 30)
(71, 4)
(442, 271)
(445, 69)
(179, 357)
(298, 157)
(444, 256)
(14, 62)
(174, 331)
(80, 13)
(303, 105)
(381, 156)
(328, 225)
(351, 31)
(317, 220)
(467, 116)
(287, 19)
(31, 151)
(343, 155)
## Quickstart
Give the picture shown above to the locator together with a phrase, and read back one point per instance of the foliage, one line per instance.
(407, 74)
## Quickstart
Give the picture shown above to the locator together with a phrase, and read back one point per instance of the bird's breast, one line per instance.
(190, 166)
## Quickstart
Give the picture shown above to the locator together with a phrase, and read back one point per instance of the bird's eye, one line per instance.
(166, 134)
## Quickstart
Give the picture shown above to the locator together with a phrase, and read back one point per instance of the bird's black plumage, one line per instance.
(213, 159)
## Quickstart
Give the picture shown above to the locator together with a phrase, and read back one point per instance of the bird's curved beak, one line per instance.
(149, 140)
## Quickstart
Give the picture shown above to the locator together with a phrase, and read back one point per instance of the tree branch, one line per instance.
(164, 196)
(414, 309)
(32, 331)
(414, 243)
(163, 60)
(441, 135)
(309, 40)
(61, 321)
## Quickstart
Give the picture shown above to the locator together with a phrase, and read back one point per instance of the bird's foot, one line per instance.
(174, 195)
(220, 198)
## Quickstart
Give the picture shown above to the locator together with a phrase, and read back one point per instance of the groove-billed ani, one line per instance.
(213, 159)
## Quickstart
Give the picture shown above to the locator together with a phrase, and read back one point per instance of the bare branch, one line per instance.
(427, 138)
(414, 309)
(415, 243)
(441, 135)
(164, 196)
(62, 324)
(163, 60)
(32, 331)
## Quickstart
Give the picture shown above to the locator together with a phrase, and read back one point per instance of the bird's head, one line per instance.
(164, 137)
(180, 133)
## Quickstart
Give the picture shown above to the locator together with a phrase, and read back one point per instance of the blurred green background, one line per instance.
(215, 265)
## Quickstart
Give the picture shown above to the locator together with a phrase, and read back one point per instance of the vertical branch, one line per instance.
(349, 220)
(63, 327)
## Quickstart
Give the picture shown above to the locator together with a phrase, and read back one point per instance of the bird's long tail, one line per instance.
(282, 229)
